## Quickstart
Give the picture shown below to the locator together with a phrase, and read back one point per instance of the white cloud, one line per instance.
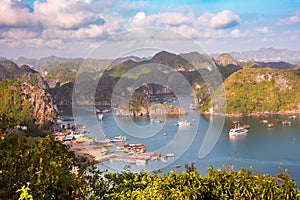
(291, 20)
(15, 14)
(160, 19)
(295, 18)
(64, 14)
(225, 19)
(18, 34)
(264, 29)
(236, 33)
(138, 18)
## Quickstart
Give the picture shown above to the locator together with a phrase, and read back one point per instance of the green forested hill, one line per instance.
(60, 75)
(257, 91)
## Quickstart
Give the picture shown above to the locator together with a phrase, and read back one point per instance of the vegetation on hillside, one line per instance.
(12, 105)
(26, 105)
(41, 168)
(265, 90)
(60, 75)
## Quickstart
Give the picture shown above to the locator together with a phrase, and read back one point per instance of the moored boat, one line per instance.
(237, 130)
(264, 121)
(293, 117)
(183, 123)
(270, 125)
(118, 139)
(170, 154)
(286, 123)
(100, 116)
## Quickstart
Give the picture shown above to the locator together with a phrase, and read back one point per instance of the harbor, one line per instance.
(98, 151)
(237, 150)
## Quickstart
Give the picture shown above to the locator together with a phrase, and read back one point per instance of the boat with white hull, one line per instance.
(237, 130)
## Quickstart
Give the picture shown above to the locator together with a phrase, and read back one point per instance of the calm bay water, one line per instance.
(262, 148)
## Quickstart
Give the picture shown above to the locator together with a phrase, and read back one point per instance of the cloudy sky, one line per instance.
(72, 28)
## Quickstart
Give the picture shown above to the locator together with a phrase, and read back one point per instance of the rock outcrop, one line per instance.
(153, 110)
(41, 103)
(225, 59)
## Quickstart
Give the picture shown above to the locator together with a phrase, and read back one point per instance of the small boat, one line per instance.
(237, 130)
(170, 154)
(264, 121)
(183, 123)
(177, 166)
(286, 123)
(118, 139)
(293, 117)
(270, 125)
(164, 134)
(100, 116)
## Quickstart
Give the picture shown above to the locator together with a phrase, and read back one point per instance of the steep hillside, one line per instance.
(225, 59)
(10, 70)
(259, 91)
(26, 104)
(60, 76)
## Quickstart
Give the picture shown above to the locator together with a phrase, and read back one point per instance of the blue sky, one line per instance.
(73, 28)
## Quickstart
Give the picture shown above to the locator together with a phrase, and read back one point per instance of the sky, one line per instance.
(75, 28)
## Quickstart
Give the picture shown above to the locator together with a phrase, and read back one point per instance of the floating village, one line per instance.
(118, 148)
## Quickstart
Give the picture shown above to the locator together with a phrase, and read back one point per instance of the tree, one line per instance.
(45, 165)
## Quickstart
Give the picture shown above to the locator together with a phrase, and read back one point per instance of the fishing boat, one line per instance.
(286, 123)
(237, 130)
(118, 139)
(264, 121)
(183, 123)
(100, 116)
(170, 154)
(293, 117)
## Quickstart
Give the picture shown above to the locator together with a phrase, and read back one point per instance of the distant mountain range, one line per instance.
(267, 54)
(45, 64)
(105, 74)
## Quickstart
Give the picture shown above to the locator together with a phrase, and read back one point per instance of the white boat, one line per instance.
(118, 139)
(286, 123)
(100, 116)
(170, 154)
(237, 131)
(293, 117)
(183, 123)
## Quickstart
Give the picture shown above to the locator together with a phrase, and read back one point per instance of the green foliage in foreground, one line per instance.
(190, 184)
(40, 168)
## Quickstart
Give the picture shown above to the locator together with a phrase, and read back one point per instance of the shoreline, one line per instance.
(251, 114)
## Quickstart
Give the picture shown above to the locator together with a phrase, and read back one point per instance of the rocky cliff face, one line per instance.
(10, 70)
(41, 103)
(225, 59)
